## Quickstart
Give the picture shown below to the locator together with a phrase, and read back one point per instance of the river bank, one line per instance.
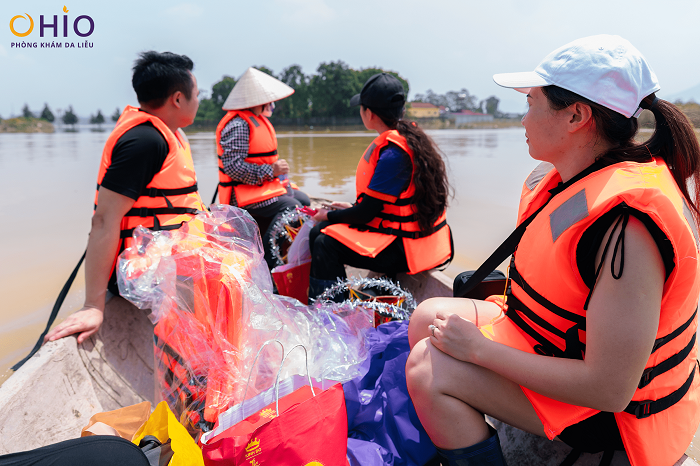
(26, 125)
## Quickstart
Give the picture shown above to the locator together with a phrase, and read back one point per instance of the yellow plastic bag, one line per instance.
(163, 425)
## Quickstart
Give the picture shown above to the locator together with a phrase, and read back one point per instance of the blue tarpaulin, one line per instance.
(383, 427)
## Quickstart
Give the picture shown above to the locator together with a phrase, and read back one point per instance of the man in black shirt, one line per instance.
(167, 92)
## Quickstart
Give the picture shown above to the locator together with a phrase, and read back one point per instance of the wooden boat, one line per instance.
(53, 395)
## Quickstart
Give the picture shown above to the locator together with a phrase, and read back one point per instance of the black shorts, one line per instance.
(595, 434)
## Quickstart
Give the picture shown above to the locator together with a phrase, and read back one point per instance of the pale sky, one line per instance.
(438, 44)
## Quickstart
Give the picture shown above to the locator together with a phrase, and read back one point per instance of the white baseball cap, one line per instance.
(604, 69)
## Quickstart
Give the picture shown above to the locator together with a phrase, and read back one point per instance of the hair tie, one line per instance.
(650, 106)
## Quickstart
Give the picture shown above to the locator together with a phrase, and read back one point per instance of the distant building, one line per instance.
(467, 116)
(422, 110)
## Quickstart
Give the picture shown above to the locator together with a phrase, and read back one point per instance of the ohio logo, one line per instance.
(83, 25)
(50, 26)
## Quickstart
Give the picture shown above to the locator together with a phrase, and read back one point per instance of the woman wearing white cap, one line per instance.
(251, 175)
(597, 344)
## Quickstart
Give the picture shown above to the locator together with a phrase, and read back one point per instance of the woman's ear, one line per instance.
(580, 115)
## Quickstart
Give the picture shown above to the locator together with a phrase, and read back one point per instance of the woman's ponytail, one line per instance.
(674, 140)
(432, 188)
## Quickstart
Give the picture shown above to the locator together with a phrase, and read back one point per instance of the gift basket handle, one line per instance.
(252, 366)
(277, 380)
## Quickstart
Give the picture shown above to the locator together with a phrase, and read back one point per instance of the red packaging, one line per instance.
(311, 430)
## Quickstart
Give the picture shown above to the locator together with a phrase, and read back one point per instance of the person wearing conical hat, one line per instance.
(251, 175)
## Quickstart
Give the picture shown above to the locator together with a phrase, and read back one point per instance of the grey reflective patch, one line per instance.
(255, 122)
(537, 174)
(567, 214)
(368, 152)
(691, 221)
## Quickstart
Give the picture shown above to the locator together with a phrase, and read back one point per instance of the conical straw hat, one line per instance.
(256, 88)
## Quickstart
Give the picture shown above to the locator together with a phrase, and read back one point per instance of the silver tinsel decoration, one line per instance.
(402, 312)
(279, 234)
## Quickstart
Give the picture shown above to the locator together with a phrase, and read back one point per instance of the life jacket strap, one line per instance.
(402, 202)
(646, 408)
(227, 184)
(501, 253)
(149, 211)
(128, 233)
(187, 391)
(575, 349)
(398, 218)
(574, 346)
(250, 155)
(650, 373)
(158, 192)
(544, 302)
(262, 154)
(659, 342)
(401, 233)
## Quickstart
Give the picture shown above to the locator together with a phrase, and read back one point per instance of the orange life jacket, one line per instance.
(197, 345)
(262, 150)
(171, 197)
(424, 250)
(546, 312)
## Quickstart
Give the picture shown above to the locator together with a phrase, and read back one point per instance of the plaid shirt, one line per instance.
(235, 140)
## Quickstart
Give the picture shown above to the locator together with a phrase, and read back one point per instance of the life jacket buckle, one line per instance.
(143, 212)
(152, 192)
(658, 344)
(646, 377)
(541, 350)
(643, 409)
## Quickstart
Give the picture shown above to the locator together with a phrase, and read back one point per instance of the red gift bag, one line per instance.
(310, 431)
(304, 428)
(293, 281)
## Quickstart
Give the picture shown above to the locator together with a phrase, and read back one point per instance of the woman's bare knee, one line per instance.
(417, 370)
(431, 374)
(423, 316)
(428, 385)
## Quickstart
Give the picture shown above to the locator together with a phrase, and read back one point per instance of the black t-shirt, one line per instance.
(136, 158)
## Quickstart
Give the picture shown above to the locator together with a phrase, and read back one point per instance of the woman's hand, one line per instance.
(456, 336)
(85, 322)
(321, 215)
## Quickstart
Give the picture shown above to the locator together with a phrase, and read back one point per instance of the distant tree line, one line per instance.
(325, 94)
(68, 118)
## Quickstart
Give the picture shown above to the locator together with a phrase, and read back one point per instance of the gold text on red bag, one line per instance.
(253, 449)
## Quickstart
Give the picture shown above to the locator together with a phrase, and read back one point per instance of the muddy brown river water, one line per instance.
(47, 185)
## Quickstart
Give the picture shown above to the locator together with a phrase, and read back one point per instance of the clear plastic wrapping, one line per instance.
(210, 295)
